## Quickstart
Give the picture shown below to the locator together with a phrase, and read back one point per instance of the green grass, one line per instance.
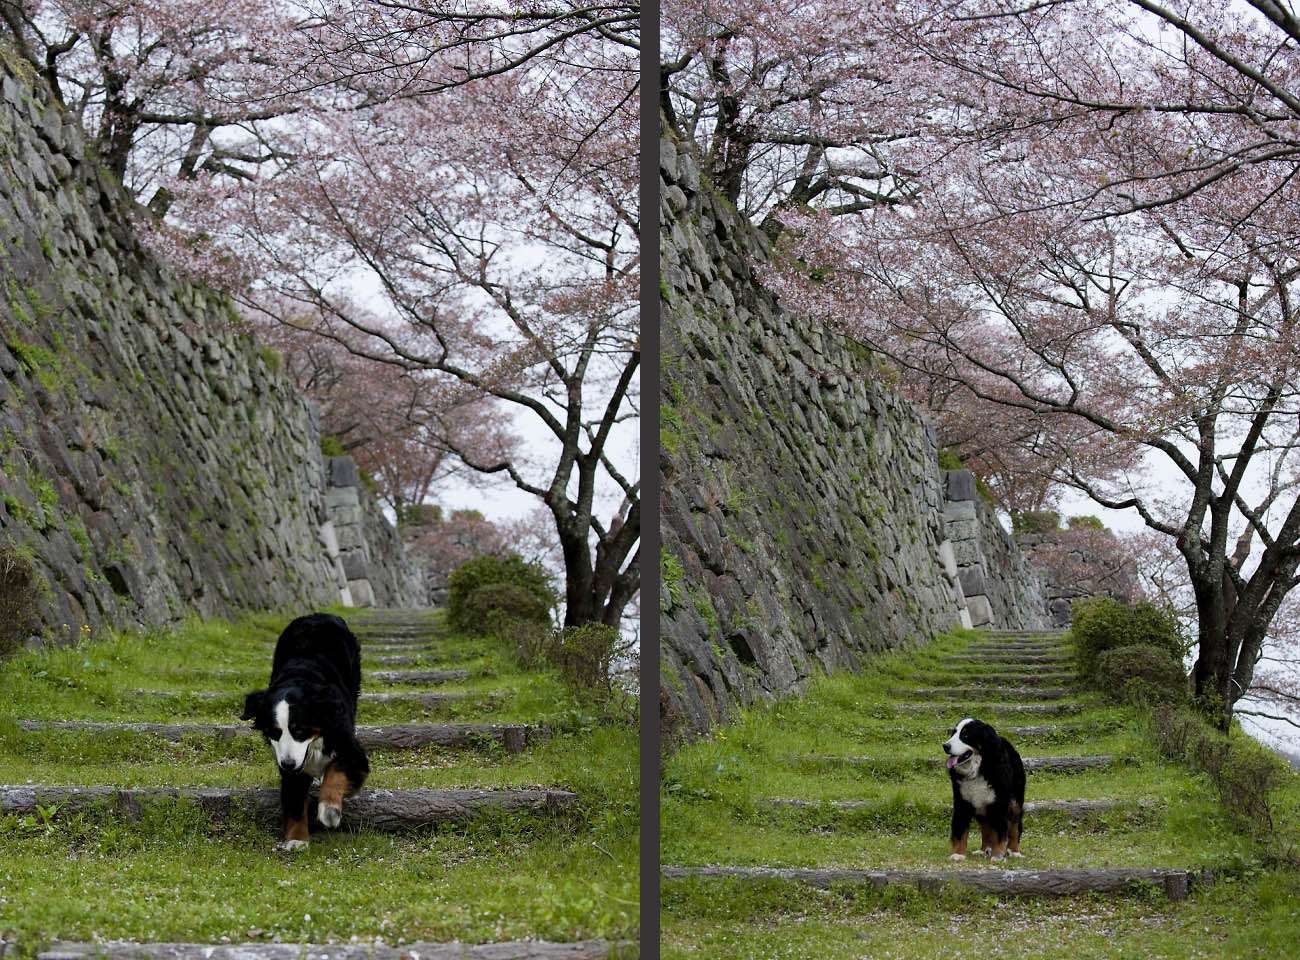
(716, 809)
(176, 875)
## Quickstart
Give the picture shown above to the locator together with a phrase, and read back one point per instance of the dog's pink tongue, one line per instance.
(952, 762)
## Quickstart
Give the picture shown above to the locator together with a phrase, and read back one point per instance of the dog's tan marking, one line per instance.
(295, 829)
(959, 845)
(334, 787)
(986, 837)
(1013, 834)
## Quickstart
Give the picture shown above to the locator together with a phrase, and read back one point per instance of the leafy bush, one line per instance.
(1244, 773)
(1035, 522)
(1100, 624)
(584, 655)
(1141, 673)
(484, 570)
(510, 600)
(19, 593)
(586, 658)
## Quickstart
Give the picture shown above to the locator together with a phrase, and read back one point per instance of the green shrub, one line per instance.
(419, 514)
(1141, 673)
(20, 592)
(527, 640)
(1100, 623)
(1035, 522)
(1244, 773)
(484, 570)
(585, 657)
(511, 600)
(1086, 522)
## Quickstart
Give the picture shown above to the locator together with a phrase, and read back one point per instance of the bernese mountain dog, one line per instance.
(988, 782)
(308, 715)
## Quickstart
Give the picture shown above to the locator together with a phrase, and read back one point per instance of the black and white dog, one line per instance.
(988, 782)
(308, 716)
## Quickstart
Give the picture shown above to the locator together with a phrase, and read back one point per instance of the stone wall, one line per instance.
(153, 461)
(804, 519)
(999, 587)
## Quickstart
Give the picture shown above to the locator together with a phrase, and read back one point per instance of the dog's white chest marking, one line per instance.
(317, 760)
(977, 792)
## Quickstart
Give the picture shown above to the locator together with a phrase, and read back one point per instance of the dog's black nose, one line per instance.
(288, 767)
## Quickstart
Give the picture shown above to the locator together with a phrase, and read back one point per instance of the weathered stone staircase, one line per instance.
(1010, 667)
(414, 633)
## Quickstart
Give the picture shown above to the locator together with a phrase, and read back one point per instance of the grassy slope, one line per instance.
(714, 812)
(174, 876)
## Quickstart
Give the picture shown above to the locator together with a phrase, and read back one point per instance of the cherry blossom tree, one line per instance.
(1083, 234)
(382, 417)
(446, 189)
(159, 86)
(492, 227)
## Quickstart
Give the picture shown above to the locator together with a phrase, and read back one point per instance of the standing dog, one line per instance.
(988, 782)
(308, 716)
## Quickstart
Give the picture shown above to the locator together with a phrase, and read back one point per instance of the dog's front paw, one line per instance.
(1016, 853)
(292, 845)
(981, 853)
(997, 858)
(330, 816)
(958, 856)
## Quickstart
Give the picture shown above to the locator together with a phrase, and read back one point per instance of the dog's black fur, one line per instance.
(988, 783)
(315, 682)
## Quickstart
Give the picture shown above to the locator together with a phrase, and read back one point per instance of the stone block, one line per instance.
(959, 530)
(959, 485)
(959, 510)
(329, 539)
(972, 581)
(342, 502)
(355, 566)
(948, 560)
(343, 472)
(981, 611)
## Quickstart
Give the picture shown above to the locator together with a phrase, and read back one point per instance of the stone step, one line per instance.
(1030, 679)
(415, 676)
(517, 950)
(1011, 882)
(1032, 764)
(427, 699)
(380, 676)
(961, 659)
(1046, 632)
(1072, 808)
(395, 659)
(982, 708)
(1008, 693)
(1016, 650)
(392, 736)
(386, 810)
(1036, 731)
(404, 643)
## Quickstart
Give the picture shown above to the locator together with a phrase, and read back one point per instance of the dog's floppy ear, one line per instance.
(253, 704)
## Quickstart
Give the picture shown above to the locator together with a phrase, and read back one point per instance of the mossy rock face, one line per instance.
(154, 461)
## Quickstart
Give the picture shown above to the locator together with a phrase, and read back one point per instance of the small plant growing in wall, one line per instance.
(19, 593)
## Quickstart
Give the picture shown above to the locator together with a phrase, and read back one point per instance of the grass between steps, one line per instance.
(177, 876)
(716, 808)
